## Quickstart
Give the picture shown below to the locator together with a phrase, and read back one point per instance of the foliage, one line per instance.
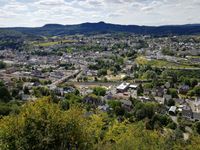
(4, 94)
(197, 90)
(45, 125)
(167, 51)
(42, 125)
(102, 72)
(140, 90)
(99, 91)
(8, 108)
(171, 102)
(197, 127)
(173, 92)
(150, 74)
(41, 91)
(2, 65)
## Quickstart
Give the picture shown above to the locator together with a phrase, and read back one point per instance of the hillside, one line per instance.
(101, 27)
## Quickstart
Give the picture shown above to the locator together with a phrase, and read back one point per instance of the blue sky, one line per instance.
(32, 13)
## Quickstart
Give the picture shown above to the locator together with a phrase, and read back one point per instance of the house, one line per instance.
(160, 92)
(90, 99)
(126, 104)
(57, 74)
(28, 85)
(147, 91)
(167, 97)
(172, 110)
(184, 89)
(179, 101)
(123, 87)
(133, 86)
(197, 105)
(104, 108)
(10, 70)
(186, 111)
(38, 73)
(196, 115)
(167, 85)
(144, 99)
(157, 92)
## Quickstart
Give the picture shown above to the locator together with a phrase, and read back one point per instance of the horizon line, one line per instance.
(2, 27)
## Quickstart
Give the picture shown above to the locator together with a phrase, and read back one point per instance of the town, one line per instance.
(119, 74)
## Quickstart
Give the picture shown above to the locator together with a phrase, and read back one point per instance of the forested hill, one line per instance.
(101, 27)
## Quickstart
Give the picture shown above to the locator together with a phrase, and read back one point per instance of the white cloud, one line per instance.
(142, 12)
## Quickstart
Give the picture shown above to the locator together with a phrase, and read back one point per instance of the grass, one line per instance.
(47, 44)
(162, 63)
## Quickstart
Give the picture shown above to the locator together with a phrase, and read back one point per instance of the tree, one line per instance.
(99, 91)
(171, 102)
(150, 74)
(191, 93)
(26, 90)
(140, 90)
(43, 125)
(173, 92)
(64, 104)
(1, 83)
(167, 51)
(114, 103)
(102, 72)
(197, 127)
(119, 111)
(197, 90)
(4, 94)
(186, 81)
(15, 92)
(193, 82)
(2, 65)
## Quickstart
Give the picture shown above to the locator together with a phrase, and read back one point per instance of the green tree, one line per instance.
(173, 92)
(197, 127)
(197, 90)
(43, 125)
(4, 94)
(171, 102)
(2, 65)
(102, 72)
(140, 90)
(193, 82)
(99, 91)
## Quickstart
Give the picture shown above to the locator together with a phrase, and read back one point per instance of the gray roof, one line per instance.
(172, 109)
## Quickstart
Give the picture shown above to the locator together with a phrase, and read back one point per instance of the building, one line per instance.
(196, 116)
(133, 86)
(123, 87)
(186, 111)
(172, 110)
(184, 89)
(104, 108)
(126, 104)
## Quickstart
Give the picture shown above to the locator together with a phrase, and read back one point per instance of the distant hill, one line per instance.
(101, 27)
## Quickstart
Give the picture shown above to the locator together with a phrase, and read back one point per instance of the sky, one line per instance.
(35, 13)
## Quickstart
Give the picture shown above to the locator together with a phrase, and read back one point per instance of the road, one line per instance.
(95, 83)
(64, 79)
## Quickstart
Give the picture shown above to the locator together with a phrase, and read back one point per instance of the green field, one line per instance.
(47, 44)
(163, 64)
